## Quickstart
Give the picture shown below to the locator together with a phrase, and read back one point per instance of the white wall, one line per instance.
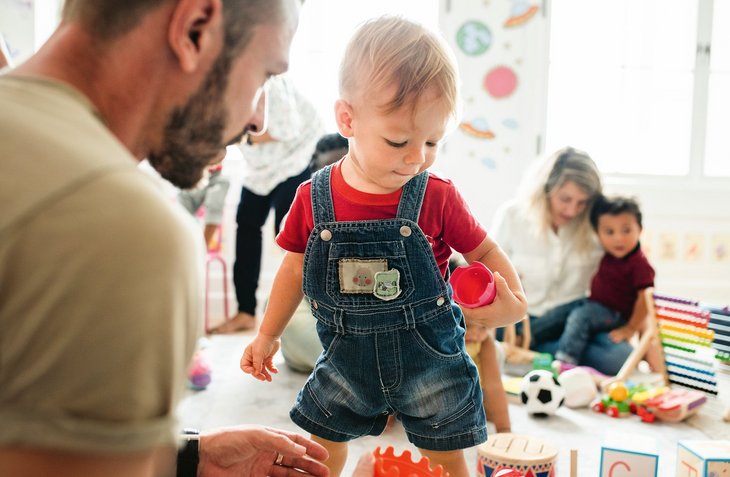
(686, 235)
(27, 24)
(501, 126)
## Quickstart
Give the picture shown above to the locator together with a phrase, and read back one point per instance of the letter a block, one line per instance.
(700, 458)
(629, 456)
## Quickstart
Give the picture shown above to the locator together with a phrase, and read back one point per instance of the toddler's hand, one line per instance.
(508, 307)
(258, 357)
(623, 333)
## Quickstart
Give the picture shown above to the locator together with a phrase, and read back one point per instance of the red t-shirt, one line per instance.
(618, 281)
(445, 218)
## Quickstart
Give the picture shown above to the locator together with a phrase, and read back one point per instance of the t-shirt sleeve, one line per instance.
(461, 231)
(643, 276)
(299, 221)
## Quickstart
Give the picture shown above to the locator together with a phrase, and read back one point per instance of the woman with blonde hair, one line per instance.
(547, 235)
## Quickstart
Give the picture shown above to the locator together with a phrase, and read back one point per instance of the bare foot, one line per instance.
(241, 322)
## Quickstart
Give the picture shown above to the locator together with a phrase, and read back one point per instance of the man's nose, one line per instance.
(257, 123)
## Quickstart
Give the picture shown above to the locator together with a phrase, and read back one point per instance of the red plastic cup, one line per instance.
(473, 285)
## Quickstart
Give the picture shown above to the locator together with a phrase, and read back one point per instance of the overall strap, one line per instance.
(411, 198)
(323, 209)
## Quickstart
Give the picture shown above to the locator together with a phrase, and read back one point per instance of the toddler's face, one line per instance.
(387, 150)
(619, 233)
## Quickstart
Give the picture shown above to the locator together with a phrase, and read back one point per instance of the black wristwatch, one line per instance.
(188, 455)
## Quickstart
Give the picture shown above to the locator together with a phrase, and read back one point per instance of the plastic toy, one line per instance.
(615, 402)
(579, 387)
(671, 405)
(473, 285)
(199, 373)
(676, 404)
(541, 393)
(387, 464)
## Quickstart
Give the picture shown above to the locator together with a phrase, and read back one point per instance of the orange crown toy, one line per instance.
(387, 464)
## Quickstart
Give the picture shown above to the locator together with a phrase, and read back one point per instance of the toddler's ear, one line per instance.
(343, 116)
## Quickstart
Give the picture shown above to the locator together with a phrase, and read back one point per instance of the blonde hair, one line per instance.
(564, 165)
(390, 50)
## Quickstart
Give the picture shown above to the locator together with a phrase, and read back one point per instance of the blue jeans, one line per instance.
(601, 353)
(582, 324)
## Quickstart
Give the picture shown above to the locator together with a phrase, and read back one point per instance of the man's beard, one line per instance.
(194, 133)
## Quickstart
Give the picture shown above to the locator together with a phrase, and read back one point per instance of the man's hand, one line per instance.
(255, 452)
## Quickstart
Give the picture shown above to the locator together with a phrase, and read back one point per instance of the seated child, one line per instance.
(211, 193)
(368, 241)
(616, 303)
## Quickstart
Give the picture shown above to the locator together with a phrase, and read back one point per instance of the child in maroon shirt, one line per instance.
(616, 303)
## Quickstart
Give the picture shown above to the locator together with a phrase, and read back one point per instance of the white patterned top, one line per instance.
(296, 127)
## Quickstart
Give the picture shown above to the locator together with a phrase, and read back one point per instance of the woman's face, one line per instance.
(566, 203)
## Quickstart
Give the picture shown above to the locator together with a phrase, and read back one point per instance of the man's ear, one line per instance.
(195, 32)
(343, 117)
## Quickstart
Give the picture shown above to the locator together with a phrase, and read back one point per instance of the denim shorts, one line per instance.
(414, 368)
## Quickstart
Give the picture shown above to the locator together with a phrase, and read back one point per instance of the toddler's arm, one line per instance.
(510, 304)
(286, 294)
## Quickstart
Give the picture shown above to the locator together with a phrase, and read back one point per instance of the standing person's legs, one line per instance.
(252, 212)
(453, 462)
(337, 454)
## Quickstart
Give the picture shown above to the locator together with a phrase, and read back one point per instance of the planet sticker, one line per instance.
(477, 127)
(521, 12)
(500, 82)
(474, 38)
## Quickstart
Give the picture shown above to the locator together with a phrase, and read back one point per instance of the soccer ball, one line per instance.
(541, 393)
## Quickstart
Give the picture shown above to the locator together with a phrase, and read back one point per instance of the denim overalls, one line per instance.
(393, 340)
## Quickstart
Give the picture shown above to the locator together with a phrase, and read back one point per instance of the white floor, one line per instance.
(235, 399)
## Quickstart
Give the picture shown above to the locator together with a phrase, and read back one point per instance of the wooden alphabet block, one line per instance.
(703, 458)
(629, 456)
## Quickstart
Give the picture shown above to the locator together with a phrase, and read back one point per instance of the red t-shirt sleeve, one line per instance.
(299, 222)
(459, 228)
(643, 276)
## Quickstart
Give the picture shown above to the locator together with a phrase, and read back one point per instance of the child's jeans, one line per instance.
(582, 324)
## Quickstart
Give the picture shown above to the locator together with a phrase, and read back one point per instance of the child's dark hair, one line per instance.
(330, 149)
(614, 206)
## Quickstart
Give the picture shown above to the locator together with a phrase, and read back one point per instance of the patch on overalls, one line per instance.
(358, 275)
(387, 284)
